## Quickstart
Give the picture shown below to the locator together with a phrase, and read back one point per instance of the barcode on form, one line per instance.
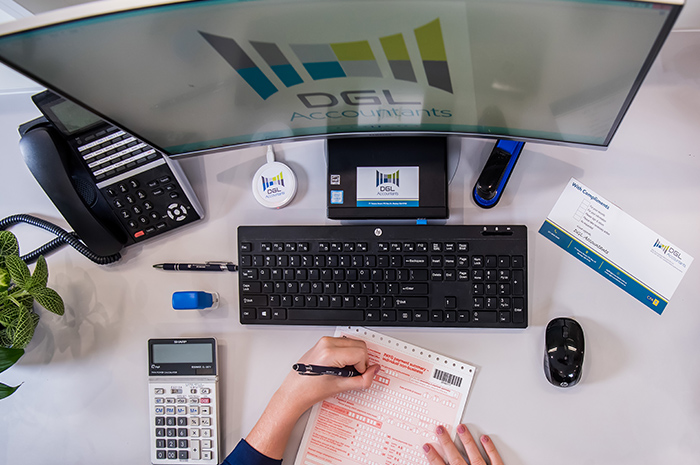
(447, 378)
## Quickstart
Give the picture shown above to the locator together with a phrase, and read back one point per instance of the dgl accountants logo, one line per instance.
(338, 60)
(274, 181)
(667, 249)
(388, 178)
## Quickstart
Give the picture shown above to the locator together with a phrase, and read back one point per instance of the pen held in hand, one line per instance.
(317, 370)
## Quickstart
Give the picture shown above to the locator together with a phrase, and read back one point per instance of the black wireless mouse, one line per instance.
(563, 352)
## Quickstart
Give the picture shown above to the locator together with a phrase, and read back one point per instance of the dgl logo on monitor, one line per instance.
(339, 60)
(387, 178)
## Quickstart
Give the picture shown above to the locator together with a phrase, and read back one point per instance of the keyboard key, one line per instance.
(411, 302)
(420, 316)
(416, 261)
(414, 289)
(372, 315)
(518, 282)
(485, 317)
(326, 315)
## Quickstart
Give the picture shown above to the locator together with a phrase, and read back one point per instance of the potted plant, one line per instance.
(19, 288)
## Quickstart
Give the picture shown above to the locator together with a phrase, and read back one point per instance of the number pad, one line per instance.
(184, 423)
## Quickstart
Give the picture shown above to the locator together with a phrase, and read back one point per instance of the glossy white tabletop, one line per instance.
(84, 398)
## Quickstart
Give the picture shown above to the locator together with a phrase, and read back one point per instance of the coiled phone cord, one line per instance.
(63, 237)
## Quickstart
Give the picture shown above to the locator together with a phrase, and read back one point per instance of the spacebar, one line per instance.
(326, 315)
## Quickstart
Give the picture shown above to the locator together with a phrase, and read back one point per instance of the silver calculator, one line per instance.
(183, 401)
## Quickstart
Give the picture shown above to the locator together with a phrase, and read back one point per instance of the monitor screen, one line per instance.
(195, 76)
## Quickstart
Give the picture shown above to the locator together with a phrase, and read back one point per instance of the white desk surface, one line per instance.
(84, 399)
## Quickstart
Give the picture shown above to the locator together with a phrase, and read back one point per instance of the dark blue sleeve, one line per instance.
(244, 454)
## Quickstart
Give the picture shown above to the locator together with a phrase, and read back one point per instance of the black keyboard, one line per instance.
(427, 276)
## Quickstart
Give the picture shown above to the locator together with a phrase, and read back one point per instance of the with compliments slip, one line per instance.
(635, 258)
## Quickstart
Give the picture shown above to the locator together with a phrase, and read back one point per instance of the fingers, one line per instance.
(368, 376)
(491, 451)
(452, 454)
(359, 382)
(339, 352)
(470, 446)
(432, 455)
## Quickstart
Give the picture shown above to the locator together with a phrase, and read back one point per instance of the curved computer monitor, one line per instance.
(197, 76)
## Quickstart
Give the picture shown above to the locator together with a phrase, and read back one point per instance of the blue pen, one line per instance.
(317, 370)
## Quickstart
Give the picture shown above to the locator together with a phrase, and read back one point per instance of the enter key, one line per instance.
(414, 289)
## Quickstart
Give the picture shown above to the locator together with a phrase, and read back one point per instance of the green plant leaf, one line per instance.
(49, 299)
(5, 279)
(19, 271)
(8, 244)
(9, 313)
(6, 391)
(5, 340)
(40, 277)
(22, 330)
(24, 300)
(35, 319)
(9, 357)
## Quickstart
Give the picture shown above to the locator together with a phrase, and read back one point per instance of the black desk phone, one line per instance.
(112, 188)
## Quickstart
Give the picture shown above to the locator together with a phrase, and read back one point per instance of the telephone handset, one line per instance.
(112, 188)
(53, 164)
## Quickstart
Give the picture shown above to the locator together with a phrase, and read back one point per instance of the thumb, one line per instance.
(368, 376)
(358, 383)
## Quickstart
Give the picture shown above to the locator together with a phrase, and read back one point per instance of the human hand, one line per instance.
(453, 455)
(298, 392)
(304, 391)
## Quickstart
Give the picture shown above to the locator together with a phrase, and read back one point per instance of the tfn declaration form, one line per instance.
(387, 424)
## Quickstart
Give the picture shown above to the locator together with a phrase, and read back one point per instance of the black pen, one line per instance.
(316, 370)
(208, 266)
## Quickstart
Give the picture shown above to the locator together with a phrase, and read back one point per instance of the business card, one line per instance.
(644, 264)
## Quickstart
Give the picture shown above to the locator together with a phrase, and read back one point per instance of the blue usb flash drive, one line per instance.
(195, 300)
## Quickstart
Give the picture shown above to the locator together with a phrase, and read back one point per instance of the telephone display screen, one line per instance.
(71, 118)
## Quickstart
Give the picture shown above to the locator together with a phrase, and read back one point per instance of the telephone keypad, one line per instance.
(140, 178)
(142, 207)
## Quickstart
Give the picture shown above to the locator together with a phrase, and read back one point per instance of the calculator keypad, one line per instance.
(185, 423)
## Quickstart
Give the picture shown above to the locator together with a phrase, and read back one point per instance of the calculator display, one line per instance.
(182, 353)
(178, 357)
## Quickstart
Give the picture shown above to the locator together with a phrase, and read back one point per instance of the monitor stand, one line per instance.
(494, 177)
